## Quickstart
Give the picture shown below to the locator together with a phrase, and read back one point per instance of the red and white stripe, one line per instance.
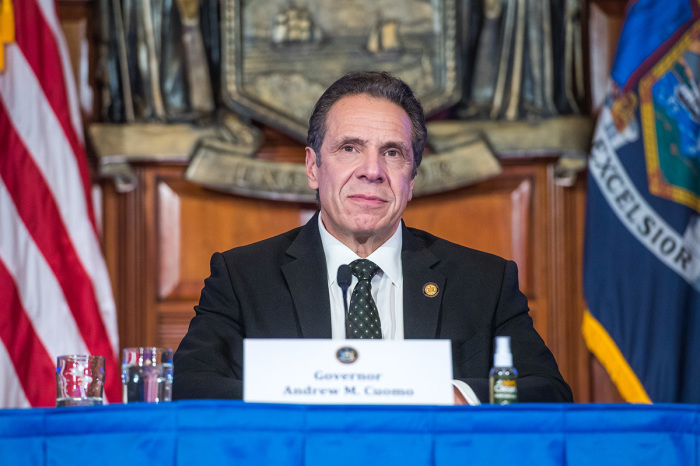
(55, 294)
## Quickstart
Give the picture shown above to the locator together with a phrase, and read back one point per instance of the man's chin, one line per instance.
(373, 226)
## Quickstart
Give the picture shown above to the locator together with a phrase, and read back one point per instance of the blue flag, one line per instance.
(642, 245)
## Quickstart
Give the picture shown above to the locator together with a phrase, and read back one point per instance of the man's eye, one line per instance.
(392, 153)
(348, 149)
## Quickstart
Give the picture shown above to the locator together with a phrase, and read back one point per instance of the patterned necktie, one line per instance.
(362, 315)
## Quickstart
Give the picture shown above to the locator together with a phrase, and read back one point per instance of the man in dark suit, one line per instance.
(365, 143)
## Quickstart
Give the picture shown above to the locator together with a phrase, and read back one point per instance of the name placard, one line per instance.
(309, 371)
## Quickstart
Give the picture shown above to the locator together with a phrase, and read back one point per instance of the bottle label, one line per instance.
(505, 391)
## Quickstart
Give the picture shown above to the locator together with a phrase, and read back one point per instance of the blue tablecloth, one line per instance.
(232, 432)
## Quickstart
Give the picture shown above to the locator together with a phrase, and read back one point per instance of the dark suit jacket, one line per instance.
(277, 288)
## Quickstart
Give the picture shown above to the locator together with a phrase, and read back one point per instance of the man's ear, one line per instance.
(311, 168)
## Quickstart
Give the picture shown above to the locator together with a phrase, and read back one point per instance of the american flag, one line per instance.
(55, 294)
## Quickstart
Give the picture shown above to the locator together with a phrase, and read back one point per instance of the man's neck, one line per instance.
(361, 245)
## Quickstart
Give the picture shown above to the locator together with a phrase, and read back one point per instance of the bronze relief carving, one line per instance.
(280, 55)
(483, 61)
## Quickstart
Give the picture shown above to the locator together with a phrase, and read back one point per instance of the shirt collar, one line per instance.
(387, 256)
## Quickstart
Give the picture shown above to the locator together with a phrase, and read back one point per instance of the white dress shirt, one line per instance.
(387, 284)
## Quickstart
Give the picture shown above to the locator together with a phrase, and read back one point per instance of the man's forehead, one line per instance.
(358, 109)
(366, 98)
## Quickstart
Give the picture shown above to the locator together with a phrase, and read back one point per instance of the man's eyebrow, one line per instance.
(350, 140)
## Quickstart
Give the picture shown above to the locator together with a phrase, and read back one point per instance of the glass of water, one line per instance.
(79, 380)
(147, 374)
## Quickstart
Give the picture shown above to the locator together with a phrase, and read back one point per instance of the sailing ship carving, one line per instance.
(295, 26)
(384, 38)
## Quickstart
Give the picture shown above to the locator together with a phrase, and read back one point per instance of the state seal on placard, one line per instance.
(347, 355)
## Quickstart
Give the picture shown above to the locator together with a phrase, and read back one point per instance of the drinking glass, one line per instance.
(147, 374)
(79, 380)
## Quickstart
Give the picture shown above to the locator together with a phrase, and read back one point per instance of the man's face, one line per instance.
(364, 180)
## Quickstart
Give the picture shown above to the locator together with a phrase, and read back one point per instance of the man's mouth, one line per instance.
(367, 198)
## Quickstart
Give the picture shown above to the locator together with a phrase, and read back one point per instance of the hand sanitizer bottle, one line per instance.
(503, 383)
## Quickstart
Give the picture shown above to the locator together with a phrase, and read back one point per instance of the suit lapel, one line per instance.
(308, 283)
(420, 310)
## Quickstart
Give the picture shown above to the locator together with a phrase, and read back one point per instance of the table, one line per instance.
(215, 432)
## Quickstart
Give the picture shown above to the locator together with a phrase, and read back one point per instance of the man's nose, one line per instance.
(372, 166)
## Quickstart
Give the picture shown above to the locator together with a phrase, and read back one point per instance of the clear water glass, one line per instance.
(147, 374)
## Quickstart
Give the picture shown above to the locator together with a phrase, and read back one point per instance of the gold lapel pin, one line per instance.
(430, 289)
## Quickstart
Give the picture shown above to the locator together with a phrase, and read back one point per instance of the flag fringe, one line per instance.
(606, 351)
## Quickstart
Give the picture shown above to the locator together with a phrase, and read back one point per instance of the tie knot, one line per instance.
(364, 269)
